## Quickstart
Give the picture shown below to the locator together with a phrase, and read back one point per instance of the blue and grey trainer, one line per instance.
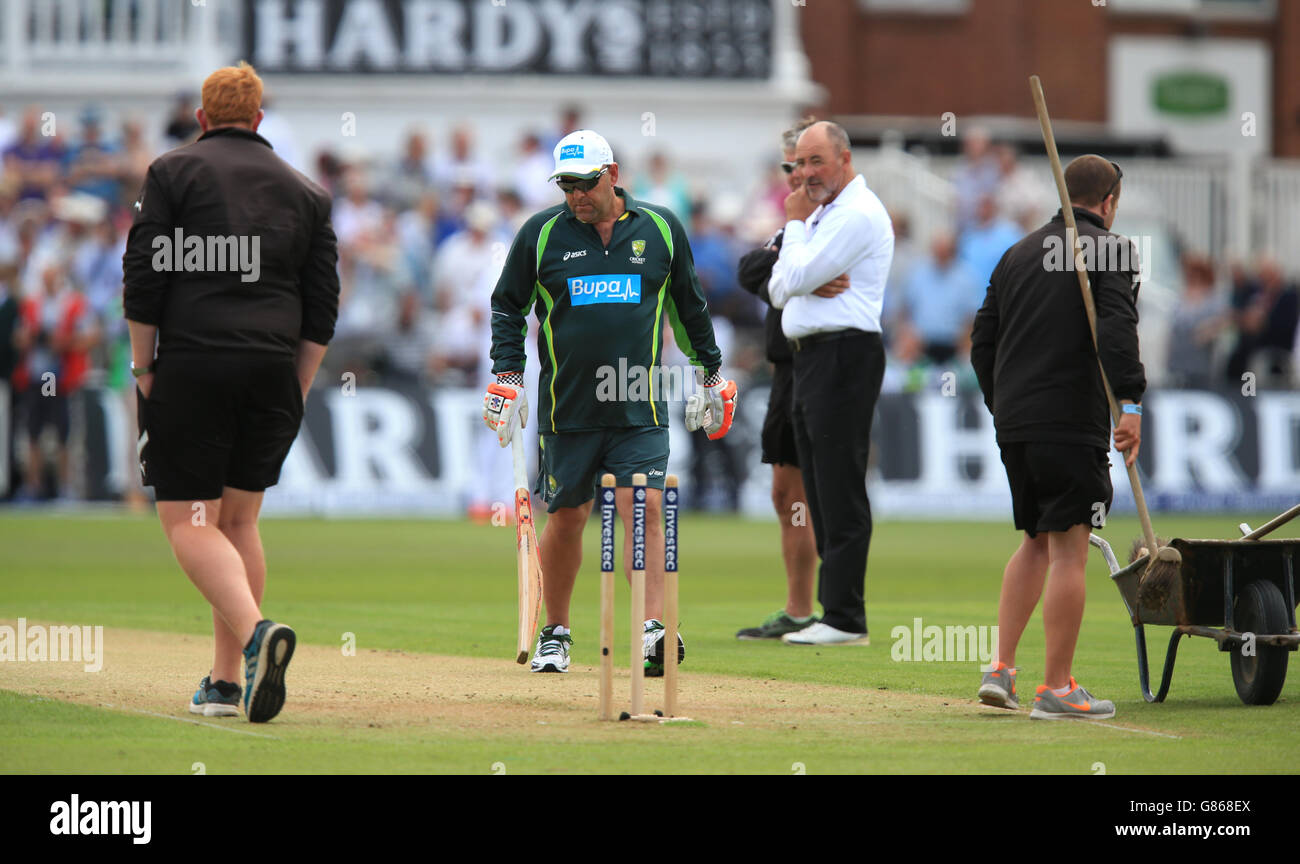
(1078, 703)
(266, 657)
(216, 698)
(999, 687)
(652, 645)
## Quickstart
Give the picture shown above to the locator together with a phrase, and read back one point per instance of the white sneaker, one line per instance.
(652, 647)
(824, 634)
(552, 653)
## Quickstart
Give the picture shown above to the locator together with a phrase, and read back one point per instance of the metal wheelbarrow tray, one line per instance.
(1241, 593)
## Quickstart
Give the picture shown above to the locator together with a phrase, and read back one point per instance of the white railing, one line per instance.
(908, 186)
(1192, 196)
(1275, 219)
(43, 38)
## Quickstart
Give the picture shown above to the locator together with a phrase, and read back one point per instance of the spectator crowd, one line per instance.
(422, 236)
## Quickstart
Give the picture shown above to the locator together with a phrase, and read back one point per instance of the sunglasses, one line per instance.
(1119, 175)
(568, 187)
(787, 167)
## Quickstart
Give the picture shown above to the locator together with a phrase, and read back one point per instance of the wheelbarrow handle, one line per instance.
(1105, 553)
(1273, 524)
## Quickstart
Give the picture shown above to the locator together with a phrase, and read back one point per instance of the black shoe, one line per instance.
(777, 625)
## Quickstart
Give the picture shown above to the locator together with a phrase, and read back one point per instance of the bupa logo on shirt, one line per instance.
(607, 288)
(571, 151)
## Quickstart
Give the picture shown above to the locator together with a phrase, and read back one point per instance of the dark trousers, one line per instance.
(836, 385)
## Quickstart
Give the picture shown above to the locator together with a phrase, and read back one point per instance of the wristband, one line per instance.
(1131, 409)
(140, 372)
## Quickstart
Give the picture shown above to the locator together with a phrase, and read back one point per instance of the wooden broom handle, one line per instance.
(1049, 140)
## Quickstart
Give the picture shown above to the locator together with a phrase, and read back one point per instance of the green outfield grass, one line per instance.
(447, 588)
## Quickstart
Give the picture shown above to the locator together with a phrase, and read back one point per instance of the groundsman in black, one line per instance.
(1031, 346)
(1033, 352)
(231, 294)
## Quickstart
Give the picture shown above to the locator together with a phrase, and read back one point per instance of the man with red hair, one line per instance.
(231, 294)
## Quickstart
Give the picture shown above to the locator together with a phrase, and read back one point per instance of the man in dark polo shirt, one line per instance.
(1033, 352)
(231, 294)
(602, 273)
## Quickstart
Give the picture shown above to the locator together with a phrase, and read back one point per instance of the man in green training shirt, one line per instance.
(601, 271)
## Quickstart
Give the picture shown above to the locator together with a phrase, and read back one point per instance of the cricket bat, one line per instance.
(529, 564)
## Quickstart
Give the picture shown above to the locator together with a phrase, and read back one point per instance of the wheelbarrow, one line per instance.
(1240, 593)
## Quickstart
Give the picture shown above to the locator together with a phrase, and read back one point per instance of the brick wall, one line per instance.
(977, 62)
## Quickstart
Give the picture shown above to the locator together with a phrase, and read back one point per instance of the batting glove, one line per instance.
(503, 401)
(713, 406)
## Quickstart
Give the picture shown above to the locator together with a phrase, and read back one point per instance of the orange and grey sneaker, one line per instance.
(999, 687)
(1077, 703)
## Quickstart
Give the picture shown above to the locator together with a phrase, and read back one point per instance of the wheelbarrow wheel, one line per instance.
(1259, 678)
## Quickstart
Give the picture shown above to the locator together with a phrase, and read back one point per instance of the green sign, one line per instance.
(1190, 93)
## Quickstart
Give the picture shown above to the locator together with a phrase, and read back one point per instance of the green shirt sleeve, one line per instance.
(511, 301)
(687, 311)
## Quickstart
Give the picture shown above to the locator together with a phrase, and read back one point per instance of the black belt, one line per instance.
(817, 338)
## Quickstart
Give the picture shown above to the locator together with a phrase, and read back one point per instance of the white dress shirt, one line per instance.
(852, 234)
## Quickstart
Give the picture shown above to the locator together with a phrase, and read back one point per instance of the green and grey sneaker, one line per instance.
(552, 653)
(652, 644)
(216, 698)
(999, 687)
(776, 625)
(1077, 703)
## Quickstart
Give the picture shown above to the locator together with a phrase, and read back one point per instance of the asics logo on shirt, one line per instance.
(580, 253)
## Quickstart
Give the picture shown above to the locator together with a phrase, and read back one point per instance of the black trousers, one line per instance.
(836, 385)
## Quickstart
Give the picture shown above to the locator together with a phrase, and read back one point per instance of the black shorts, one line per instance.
(1057, 486)
(217, 419)
(778, 427)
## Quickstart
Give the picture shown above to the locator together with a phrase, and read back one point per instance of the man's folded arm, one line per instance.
(805, 265)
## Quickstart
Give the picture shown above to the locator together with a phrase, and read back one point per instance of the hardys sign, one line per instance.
(650, 38)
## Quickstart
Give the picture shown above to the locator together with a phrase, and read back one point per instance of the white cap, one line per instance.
(581, 154)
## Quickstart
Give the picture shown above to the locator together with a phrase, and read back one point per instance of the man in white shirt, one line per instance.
(836, 227)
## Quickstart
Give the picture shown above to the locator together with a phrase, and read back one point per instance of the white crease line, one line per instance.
(1103, 723)
(189, 720)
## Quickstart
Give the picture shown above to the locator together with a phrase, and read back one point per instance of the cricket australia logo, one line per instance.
(638, 246)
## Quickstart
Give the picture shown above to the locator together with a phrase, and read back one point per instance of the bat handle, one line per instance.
(521, 460)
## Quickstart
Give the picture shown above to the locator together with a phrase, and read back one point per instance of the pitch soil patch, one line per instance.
(379, 689)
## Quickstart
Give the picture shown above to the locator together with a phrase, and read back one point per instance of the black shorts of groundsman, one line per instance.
(217, 419)
(778, 428)
(1056, 486)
